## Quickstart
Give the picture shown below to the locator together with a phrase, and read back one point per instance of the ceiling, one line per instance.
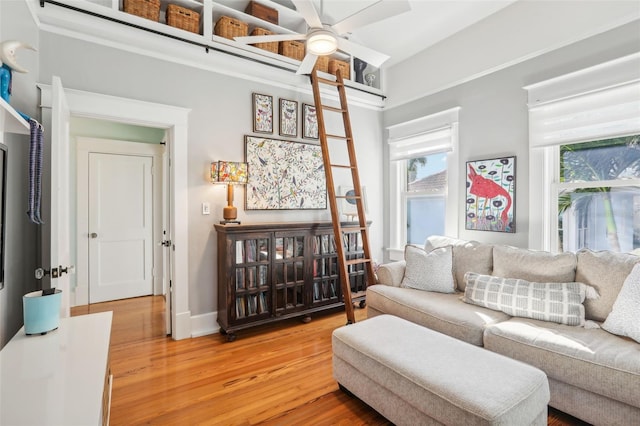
(404, 35)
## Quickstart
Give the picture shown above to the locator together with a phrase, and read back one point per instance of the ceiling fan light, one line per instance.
(322, 43)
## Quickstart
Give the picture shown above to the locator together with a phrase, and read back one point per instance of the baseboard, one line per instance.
(204, 324)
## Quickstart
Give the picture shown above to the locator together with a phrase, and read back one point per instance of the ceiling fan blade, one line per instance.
(376, 12)
(269, 38)
(307, 64)
(370, 56)
(308, 12)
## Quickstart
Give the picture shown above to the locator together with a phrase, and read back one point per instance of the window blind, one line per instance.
(595, 103)
(424, 136)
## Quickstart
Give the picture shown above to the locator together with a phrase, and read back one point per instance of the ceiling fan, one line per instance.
(322, 39)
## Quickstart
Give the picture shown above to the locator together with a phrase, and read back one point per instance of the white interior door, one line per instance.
(60, 254)
(120, 226)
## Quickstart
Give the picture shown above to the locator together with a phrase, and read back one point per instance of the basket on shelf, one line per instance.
(292, 49)
(263, 12)
(271, 46)
(322, 64)
(336, 64)
(149, 9)
(229, 28)
(183, 18)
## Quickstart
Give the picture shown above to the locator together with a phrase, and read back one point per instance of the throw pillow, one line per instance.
(431, 271)
(533, 265)
(624, 319)
(554, 302)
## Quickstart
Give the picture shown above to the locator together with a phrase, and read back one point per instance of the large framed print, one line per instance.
(491, 190)
(262, 113)
(284, 175)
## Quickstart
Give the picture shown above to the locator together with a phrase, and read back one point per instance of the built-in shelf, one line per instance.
(290, 21)
(12, 121)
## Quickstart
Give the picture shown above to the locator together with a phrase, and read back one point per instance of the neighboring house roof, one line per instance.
(433, 183)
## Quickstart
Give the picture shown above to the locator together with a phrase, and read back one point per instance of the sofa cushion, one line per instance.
(531, 265)
(606, 272)
(430, 271)
(624, 319)
(590, 359)
(556, 302)
(441, 312)
(468, 256)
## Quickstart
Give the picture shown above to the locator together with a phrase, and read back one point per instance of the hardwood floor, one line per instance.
(273, 375)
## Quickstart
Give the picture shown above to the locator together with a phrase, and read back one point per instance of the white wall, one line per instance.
(221, 114)
(494, 115)
(521, 31)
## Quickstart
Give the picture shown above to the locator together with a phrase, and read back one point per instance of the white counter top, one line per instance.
(57, 378)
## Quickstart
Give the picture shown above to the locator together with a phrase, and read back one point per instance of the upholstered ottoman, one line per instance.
(413, 375)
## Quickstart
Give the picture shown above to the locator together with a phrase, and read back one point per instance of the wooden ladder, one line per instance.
(338, 229)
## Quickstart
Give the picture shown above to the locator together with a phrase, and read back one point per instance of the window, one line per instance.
(584, 136)
(423, 183)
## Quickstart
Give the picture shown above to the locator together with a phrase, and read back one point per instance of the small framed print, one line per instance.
(262, 113)
(288, 118)
(309, 122)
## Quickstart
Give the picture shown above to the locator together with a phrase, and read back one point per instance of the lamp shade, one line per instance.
(229, 172)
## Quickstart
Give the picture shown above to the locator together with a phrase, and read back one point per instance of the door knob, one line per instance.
(93, 235)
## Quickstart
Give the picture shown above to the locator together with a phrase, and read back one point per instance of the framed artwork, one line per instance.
(348, 206)
(490, 200)
(309, 122)
(262, 113)
(284, 175)
(288, 118)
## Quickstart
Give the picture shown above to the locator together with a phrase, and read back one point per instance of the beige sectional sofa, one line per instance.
(593, 375)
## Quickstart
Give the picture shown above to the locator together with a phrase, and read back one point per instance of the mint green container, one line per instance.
(41, 313)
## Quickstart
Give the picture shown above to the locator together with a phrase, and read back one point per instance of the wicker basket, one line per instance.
(336, 64)
(149, 9)
(183, 18)
(229, 28)
(292, 49)
(322, 64)
(271, 46)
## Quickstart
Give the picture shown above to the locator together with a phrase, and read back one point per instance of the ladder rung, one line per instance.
(342, 166)
(344, 138)
(349, 197)
(357, 261)
(358, 295)
(334, 109)
(329, 82)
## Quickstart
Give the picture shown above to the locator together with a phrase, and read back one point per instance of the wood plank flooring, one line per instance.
(272, 375)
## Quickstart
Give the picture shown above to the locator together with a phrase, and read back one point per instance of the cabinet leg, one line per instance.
(306, 319)
(231, 337)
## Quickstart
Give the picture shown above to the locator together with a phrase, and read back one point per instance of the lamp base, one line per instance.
(226, 222)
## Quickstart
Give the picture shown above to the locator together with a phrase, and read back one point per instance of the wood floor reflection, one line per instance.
(272, 375)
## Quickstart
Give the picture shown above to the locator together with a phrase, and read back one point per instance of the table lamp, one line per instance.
(231, 173)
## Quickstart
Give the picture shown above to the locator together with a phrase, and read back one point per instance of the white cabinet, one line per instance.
(11, 121)
(61, 378)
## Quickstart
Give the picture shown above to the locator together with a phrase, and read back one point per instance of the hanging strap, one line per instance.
(35, 172)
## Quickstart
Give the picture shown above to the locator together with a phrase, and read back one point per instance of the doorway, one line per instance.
(174, 122)
(120, 220)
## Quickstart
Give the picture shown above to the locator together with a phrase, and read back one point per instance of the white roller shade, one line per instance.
(424, 136)
(595, 103)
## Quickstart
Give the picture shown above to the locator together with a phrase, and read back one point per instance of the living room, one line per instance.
(482, 70)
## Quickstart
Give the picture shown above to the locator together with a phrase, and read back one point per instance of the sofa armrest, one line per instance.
(391, 273)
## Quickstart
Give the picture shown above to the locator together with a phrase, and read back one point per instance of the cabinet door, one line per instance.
(289, 268)
(326, 280)
(250, 277)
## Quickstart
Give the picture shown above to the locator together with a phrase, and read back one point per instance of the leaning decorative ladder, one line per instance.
(338, 229)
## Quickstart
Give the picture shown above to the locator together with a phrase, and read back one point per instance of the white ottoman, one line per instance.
(415, 376)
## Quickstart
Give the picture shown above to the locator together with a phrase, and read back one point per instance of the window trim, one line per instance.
(397, 171)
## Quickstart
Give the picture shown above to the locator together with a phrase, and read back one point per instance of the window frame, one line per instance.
(398, 194)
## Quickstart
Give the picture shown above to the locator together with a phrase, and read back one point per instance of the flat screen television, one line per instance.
(3, 209)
